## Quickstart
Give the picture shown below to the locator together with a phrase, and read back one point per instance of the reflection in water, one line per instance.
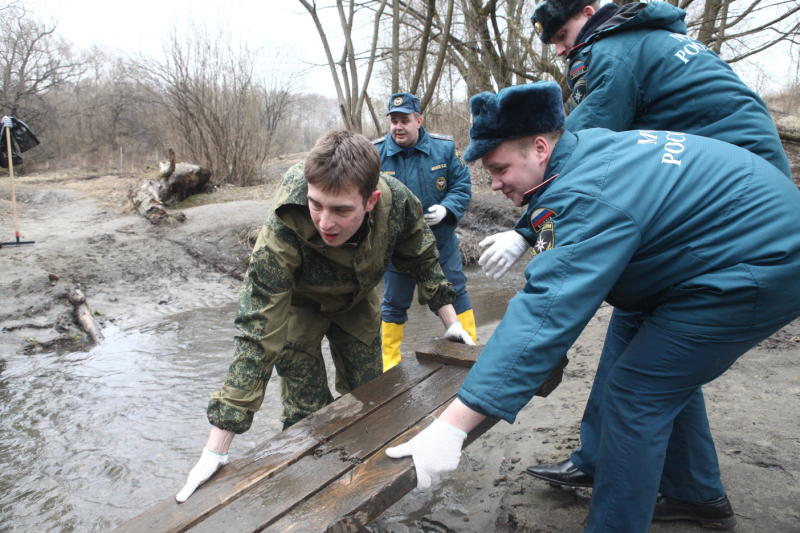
(90, 439)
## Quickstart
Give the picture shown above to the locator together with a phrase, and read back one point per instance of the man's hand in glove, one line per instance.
(209, 463)
(506, 248)
(436, 450)
(457, 333)
(435, 214)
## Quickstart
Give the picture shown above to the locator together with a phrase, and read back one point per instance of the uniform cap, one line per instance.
(550, 15)
(512, 113)
(403, 103)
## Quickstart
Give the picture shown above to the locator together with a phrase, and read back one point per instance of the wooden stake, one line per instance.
(13, 190)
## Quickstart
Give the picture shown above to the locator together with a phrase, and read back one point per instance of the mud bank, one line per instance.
(132, 272)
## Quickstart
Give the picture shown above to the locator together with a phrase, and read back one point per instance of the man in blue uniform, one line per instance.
(428, 164)
(699, 237)
(633, 67)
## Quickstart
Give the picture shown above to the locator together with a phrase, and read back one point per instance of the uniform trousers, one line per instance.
(398, 287)
(301, 366)
(645, 429)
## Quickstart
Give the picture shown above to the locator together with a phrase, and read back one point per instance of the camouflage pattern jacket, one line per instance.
(292, 266)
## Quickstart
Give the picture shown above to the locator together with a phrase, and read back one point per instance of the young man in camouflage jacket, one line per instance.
(334, 228)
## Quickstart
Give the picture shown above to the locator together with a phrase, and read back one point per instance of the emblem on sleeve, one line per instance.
(544, 230)
(546, 238)
(539, 216)
(441, 183)
(577, 69)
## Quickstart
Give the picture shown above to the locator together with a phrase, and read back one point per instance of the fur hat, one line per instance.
(512, 113)
(550, 15)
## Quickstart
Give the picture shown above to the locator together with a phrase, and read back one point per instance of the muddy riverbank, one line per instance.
(127, 418)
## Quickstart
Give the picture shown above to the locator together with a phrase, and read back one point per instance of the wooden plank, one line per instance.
(276, 453)
(449, 353)
(453, 353)
(360, 495)
(266, 501)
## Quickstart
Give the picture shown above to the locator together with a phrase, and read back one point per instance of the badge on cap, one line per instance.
(398, 101)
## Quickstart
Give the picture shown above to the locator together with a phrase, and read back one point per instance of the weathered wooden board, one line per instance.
(449, 353)
(329, 472)
(266, 501)
(363, 493)
(275, 454)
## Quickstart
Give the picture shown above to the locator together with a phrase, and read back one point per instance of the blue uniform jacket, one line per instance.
(639, 70)
(698, 234)
(436, 174)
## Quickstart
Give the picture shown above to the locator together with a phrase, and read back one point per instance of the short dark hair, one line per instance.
(342, 159)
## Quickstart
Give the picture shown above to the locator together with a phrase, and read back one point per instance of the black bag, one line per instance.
(15, 157)
(22, 140)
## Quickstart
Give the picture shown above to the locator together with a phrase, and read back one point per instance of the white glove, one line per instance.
(435, 214)
(506, 248)
(7, 122)
(436, 450)
(456, 332)
(209, 463)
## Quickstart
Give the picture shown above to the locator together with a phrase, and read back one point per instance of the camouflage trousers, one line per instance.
(301, 366)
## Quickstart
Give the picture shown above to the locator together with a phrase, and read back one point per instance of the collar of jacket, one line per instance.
(612, 19)
(423, 143)
(561, 153)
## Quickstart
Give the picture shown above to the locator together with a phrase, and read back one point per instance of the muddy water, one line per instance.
(89, 439)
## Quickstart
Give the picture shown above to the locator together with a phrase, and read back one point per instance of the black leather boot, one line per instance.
(714, 514)
(563, 473)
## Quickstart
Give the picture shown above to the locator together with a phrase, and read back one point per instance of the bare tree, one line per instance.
(351, 93)
(490, 42)
(737, 29)
(216, 105)
(33, 60)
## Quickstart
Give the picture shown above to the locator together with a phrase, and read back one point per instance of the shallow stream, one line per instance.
(89, 440)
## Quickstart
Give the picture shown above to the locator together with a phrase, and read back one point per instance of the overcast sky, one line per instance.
(140, 27)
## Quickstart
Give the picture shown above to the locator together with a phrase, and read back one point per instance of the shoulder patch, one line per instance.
(577, 69)
(539, 216)
(441, 136)
(379, 140)
(544, 230)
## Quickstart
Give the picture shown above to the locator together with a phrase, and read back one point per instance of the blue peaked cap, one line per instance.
(403, 103)
(512, 113)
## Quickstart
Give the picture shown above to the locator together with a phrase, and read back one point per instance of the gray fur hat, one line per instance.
(512, 113)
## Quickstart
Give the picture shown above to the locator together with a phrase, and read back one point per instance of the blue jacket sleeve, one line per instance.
(565, 286)
(613, 95)
(459, 192)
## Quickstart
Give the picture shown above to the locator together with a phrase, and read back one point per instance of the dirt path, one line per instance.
(132, 271)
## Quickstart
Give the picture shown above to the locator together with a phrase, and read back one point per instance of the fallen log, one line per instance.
(83, 315)
(175, 182)
(788, 134)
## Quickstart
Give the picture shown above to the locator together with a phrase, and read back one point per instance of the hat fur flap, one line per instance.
(514, 112)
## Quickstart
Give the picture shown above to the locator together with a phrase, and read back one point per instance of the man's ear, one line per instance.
(372, 201)
(542, 148)
(588, 11)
